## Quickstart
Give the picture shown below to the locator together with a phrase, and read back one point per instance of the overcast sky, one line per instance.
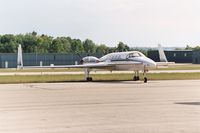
(134, 22)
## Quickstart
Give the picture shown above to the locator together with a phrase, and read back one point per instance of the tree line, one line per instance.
(42, 44)
(34, 43)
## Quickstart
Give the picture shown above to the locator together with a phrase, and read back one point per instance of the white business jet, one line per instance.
(119, 61)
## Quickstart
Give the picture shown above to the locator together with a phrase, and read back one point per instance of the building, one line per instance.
(9, 60)
(196, 57)
(177, 56)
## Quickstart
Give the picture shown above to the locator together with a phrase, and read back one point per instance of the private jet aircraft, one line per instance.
(119, 61)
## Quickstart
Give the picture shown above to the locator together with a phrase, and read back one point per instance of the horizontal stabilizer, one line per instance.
(165, 63)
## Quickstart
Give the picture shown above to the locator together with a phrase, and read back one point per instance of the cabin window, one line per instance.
(119, 57)
(185, 54)
(113, 57)
(174, 54)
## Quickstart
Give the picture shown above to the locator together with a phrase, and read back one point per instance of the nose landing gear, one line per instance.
(145, 75)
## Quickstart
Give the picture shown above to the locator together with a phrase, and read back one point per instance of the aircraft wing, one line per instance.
(89, 65)
(100, 65)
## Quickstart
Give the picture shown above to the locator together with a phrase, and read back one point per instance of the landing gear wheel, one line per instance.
(89, 78)
(134, 78)
(145, 80)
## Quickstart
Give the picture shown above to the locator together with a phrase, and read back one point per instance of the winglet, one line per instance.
(162, 54)
(19, 57)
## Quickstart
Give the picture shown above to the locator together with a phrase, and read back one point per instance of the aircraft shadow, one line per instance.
(188, 103)
(101, 81)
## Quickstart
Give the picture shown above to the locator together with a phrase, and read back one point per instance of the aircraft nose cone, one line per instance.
(151, 63)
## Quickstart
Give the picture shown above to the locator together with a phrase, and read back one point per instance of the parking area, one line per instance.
(101, 107)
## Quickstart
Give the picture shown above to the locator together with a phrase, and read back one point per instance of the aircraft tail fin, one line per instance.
(163, 58)
(19, 57)
(162, 54)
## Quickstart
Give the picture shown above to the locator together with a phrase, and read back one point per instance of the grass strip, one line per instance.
(96, 77)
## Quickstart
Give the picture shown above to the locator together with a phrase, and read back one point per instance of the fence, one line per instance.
(9, 60)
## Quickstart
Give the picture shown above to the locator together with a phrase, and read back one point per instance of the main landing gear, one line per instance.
(137, 78)
(89, 79)
(87, 75)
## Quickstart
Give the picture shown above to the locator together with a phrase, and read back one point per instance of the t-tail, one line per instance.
(19, 57)
(163, 58)
(162, 55)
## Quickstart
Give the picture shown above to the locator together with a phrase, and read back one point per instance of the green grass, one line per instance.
(173, 76)
(96, 77)
(39, 78)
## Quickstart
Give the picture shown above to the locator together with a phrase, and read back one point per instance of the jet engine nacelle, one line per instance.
(89, 59)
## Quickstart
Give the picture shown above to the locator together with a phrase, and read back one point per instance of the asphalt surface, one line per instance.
(101, 107)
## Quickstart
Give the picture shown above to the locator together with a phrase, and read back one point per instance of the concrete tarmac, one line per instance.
(101, 107)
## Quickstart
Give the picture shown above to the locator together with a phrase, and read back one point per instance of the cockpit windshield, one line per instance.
(135, 54)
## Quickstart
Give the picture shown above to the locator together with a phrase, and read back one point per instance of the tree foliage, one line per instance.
(77, 46)
(121, 47)
(89, 46)
(197, 48)
(34, 43)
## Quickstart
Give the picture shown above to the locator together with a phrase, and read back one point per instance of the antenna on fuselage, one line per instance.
(162, 55)
(19, 57)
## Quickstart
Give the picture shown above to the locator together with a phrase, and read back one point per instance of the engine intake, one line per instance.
(89, 59)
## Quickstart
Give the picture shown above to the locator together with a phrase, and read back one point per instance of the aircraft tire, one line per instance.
(145, 80)
(134, 78)
(89, 79)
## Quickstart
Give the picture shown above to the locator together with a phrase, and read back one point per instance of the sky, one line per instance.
(138, 23)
